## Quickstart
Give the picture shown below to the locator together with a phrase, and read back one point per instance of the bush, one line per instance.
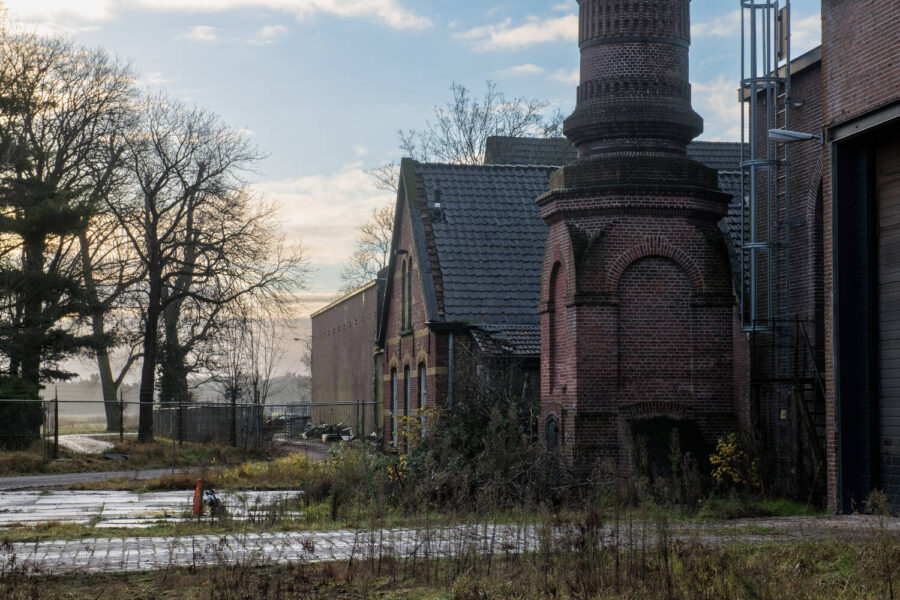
(20, 422)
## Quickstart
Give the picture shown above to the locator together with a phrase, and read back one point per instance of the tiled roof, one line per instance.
(488, 237)
(721, 156)
(481, 252)
(522, 341)
(730, 182)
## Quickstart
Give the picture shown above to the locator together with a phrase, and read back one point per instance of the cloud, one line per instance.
(521, 71)
(722, 26)
(323, 211)
(572, 77)
(505, 37)
(200, 33)
(268, 35)
(717, 102)
(806, 34)
(68, 13)
(153, 80)
(360, 150)
(568, 6)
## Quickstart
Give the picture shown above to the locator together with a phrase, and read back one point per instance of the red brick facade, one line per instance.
(861, 78)
(410, 346)
(637, 300)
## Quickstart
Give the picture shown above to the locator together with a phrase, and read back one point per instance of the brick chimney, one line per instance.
(636, 300)
(634, 91)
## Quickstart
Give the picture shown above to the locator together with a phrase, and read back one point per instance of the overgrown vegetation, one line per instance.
(159, 454)
(576, 569)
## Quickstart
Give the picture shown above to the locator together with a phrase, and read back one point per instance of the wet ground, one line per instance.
(126, 509)
(85, 444)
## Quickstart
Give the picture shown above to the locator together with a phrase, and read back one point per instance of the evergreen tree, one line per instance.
(61, 110)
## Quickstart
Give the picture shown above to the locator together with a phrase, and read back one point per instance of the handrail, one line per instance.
(812, 355)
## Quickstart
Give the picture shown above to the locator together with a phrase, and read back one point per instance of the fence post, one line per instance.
(56, 423)
(44, 433)
(121, 417)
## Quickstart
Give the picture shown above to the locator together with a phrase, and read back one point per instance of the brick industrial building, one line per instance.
(645, 293)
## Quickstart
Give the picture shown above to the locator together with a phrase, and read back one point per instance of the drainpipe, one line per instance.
(450, 375)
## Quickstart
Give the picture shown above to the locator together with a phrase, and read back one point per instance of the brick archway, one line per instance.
(654, 246)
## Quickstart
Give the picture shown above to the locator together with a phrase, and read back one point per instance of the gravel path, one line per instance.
(146, 553)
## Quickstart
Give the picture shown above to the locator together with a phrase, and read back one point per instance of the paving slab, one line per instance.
(114, 509)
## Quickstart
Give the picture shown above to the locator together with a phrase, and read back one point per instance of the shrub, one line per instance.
(20, 422)
(732, 465)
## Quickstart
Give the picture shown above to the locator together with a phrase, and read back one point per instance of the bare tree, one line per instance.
(373, 248)
(461, 128)
(200, 238)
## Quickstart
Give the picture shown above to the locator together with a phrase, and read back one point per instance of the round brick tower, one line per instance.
(636, 305)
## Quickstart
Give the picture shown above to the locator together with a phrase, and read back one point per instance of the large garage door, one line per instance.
(887, 185)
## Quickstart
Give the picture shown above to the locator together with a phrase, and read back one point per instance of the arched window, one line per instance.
(403, 299)
(557, 323)
(394, 406)
(552, 432)
(409, 295)
(422, 386)
(407, 395)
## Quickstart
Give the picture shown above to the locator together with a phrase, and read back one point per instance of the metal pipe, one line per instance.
(754, 155)
(450, 374)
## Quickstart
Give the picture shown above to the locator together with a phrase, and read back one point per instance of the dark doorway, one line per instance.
(658, 440)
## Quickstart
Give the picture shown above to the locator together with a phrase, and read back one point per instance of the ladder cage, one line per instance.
(764, 247)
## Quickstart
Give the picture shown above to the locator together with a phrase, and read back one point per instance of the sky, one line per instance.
(323, 86)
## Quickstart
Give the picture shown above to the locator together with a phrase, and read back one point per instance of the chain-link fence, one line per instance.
(300, 427)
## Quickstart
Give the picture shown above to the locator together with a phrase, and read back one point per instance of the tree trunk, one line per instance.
(108, 385)
(107, 382)
(173, 375)
(33, 332)
(148, 369)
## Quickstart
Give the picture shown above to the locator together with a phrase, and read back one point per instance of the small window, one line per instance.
(552, 432)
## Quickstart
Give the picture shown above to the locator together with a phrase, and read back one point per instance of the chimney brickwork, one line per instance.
(636, 299)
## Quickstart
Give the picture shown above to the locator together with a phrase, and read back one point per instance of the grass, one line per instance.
(732, 506)
(801, 570)
(155, 455)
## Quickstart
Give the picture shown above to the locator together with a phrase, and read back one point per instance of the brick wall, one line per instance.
(409, 345)
(861, 73)
(785, 449)
(343, 343)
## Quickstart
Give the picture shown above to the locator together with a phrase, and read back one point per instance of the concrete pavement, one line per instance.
(153, 553)
(112, 509)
